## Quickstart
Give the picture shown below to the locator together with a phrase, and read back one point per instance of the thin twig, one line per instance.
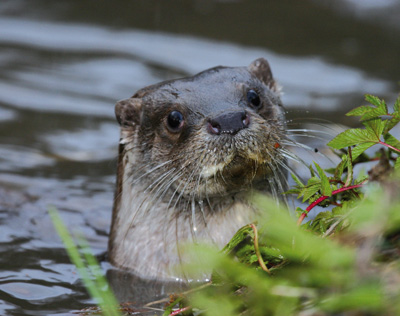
(166, 300)
(260, 259)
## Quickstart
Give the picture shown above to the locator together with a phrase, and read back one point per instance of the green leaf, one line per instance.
(380, 104)
(293, 191)
(376, 126)
(359, 149)
(340, 168)
(312, 172)
(314, 180)
(349, 179)
(367, 112)
(325, 186)
(359, 110)
(299, 211)
(321, 222)
(310, 191)
(240, 236)
(297, 180)
(361, 177)
(330, 170)
(396, 106)
(353, 137)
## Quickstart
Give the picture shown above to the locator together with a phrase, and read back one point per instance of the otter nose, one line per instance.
(228, 123)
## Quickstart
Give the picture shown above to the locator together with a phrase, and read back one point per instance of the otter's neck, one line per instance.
(147, 230)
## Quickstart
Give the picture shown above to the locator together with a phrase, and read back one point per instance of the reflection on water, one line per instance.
(309, 81)
(64, 67)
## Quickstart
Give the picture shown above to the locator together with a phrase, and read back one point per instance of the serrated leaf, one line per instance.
(314, 180)
(293, 191)
(375, 126)
(396, 106)
(359, 110)
(367, 112)
(380, 104)
(325, 186)
(310, 191)
(373, 114)
(330, 170)
(353, 137)
(321, 222)
(360, 180)
(359, 149)
(340, 168)
(297, 180)
(312, 172)
(240, 236)
(349, 178)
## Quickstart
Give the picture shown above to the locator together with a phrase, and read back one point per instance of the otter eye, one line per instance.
(253, 98)
(175, 121)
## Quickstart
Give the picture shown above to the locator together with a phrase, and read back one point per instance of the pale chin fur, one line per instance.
(148, 244)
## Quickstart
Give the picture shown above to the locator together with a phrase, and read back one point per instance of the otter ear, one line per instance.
(261, 69)
(127, 111)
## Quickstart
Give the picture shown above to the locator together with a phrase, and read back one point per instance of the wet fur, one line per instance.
(190, 186)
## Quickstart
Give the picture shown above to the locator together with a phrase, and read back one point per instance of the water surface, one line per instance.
(64, 64)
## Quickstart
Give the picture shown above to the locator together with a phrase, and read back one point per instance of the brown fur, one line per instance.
(193, 184)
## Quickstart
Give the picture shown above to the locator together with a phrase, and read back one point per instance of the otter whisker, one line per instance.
(295, 144)
(305, 132)
(200, 202)
(193, 221)
(275, 181)
(140, 208)
(152, 170)
(167, 186)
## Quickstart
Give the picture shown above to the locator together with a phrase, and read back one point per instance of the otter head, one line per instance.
(196, 143)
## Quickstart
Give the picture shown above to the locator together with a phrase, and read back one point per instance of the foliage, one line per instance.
(345, 261)
(342, 188)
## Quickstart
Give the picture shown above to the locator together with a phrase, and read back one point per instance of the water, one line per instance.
(64, 64)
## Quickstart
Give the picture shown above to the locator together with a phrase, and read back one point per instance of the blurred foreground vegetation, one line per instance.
(343, 262)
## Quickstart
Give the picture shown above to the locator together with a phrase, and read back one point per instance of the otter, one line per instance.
(192, 152)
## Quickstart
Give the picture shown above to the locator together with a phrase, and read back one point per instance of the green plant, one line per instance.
(342, 262)
(88, 268)
(345, 261)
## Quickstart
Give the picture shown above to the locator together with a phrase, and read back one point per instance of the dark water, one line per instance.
(64, 64)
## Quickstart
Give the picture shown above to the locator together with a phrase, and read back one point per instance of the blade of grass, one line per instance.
(108, 305)
(108, 297)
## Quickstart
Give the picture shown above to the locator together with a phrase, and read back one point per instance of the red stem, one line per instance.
(179, 311)
(389, 146)
(323, 198)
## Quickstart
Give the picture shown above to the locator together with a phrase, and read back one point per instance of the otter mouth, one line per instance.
(238, 167)
(237, 175)
(242, 170)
